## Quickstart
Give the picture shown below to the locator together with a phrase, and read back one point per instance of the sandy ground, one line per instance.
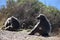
(8, 35)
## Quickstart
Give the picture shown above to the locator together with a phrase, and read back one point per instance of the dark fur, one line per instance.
(44, 24)
(15, 24)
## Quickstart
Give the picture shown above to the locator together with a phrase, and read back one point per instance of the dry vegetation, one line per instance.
(28, 10)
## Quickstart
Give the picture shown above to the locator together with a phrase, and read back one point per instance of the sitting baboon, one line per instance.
(43, 27)
(12, 24)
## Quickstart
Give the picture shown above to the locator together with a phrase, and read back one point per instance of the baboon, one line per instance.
(12, 24)
(43, 27)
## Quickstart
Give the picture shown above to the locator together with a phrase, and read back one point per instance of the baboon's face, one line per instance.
(10, 21)
(7, 25)
(41, 17)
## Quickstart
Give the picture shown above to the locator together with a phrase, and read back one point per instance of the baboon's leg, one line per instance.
(34, 31)
(45, 34)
